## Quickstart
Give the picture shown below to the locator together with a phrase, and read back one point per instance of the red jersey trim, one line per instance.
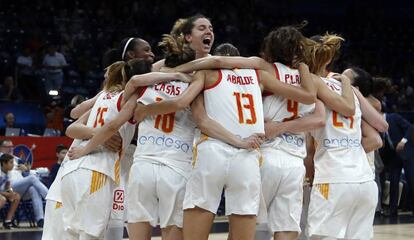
(140, 94)
(118, 103)
(258, 76)
(143, 89)
(276, 71)
(217, 81)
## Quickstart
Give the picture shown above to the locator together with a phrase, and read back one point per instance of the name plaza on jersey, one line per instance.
(245, 80)
(343, 142)
(292, 79)
(165, 141)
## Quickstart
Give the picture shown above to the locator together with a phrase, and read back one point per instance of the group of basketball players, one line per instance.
(242, 125)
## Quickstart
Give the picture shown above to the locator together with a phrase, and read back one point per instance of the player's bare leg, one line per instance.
(243, 227)
(286, 235)
(172, 233)
(139, 231)
(197, 223)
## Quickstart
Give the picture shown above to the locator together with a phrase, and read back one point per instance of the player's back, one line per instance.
(105, 109)
(280, 109)
(339, 155)
(233, 98)
(166, 138)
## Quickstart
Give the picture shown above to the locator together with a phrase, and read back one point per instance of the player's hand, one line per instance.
(22, 167)
(298, 63)
(310, 170)
(139, 113)
(114, 144)
(183, 77)
(76, 152)
(342, 78)
(400, 146)
(253, 141)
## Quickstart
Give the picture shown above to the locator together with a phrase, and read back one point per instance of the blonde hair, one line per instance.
(116, 77)
(120, 72)
(321, 50)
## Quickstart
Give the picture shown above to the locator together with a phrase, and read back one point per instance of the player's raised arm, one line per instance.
(370, 114)
(174, 104)
(83, 107)
(371, 140)
(78, 129)
(344, 103)
(303, 124)
(100, 135)
(151, 78)
(224, 62)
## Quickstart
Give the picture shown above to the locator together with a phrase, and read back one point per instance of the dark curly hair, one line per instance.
(283, 45)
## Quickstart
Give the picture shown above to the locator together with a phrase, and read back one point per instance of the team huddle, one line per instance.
(261, 129)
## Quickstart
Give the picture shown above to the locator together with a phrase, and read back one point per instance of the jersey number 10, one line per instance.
(165, 121)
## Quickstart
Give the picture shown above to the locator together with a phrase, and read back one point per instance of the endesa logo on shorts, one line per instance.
(341, 142)
(296, 140)
(166, 142)
(118, 203)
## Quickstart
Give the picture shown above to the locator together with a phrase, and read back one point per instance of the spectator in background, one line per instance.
(9, 122)
(54, 62)
(26, 79)
(8, 91)
(28, 187)
(61, 151)
(54, 116)
(398, 154)
(6, 191)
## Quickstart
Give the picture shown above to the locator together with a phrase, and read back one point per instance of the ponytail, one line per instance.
(322, 50)
(116, 77)
(120, 72)
(176, 49)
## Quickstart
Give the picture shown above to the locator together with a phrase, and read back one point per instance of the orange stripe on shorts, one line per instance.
(324, 189)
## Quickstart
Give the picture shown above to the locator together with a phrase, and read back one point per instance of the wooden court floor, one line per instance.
(381, 232)
(401, 228)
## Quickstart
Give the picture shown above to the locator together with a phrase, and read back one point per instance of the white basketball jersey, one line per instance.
(340, 157)
(235, 101)
(279, 109)
(166, 138)
(105, 109)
